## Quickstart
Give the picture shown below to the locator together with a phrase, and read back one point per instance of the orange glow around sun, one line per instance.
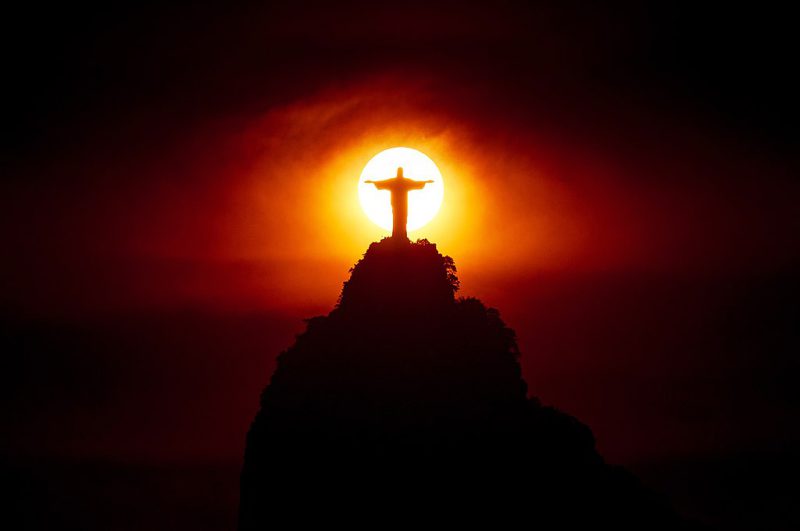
(300, 215)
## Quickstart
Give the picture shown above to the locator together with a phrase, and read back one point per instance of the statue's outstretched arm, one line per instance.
(418, 185)
(381, 185)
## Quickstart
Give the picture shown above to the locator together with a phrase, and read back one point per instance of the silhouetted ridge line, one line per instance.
(397, 275)
(405, 403)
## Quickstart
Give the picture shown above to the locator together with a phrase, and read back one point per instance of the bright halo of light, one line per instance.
(422, 204)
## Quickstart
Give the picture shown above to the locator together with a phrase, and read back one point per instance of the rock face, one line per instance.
(405, 406)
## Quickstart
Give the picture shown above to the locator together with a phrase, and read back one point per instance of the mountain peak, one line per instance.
(408, 403)
(401, 278)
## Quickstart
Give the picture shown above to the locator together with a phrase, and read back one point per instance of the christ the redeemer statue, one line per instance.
(399, 186)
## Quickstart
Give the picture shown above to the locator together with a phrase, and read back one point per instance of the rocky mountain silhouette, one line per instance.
(406, 406)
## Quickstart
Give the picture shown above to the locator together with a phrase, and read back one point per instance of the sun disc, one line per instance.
(422, 204)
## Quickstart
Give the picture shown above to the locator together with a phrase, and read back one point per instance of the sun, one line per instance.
(422, 204)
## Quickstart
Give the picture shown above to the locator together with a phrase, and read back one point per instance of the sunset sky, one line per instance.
(180, 190)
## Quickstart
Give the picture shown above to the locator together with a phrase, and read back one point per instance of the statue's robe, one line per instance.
(399, 188)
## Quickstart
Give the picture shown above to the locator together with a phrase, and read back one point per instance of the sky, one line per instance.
(179, 192)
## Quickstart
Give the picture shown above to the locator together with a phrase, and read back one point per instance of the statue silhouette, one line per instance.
(399, 186)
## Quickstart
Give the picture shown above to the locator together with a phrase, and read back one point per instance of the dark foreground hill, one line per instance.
(405, 406)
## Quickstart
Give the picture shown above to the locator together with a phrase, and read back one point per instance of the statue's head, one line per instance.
(400, 173)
